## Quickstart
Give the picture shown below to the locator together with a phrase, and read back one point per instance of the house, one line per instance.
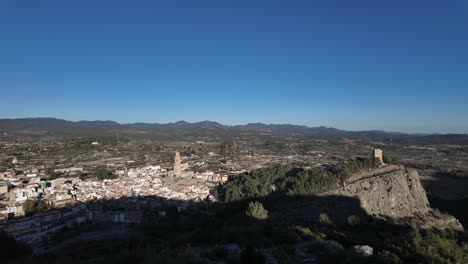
(57, 182)
(16, 210)
(69, 170)
(25, 192)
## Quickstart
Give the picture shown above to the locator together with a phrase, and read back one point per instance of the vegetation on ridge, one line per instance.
(291, 180)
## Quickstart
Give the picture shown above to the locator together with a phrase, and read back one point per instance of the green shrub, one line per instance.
(324, 219)
(31, 207)
(354, 220)
(391, 159)
(257, 211)
(386, 257)
(303, 232)
(291, 180)
(433, 247)
(460, 174)
(103, 174)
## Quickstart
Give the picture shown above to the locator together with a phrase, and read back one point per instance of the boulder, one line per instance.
(363, 250)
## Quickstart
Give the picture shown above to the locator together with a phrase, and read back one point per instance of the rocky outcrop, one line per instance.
(392, 193)
(395, 194)
(364, 251)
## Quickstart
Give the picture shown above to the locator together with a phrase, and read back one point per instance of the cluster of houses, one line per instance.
(126, 199)
(210, 176)
(139, 182)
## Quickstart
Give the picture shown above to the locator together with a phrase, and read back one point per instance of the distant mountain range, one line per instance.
(60, 127)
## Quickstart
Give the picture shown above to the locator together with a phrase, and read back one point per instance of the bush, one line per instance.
(460, 174)
(319, 235)
(346, 169)
(354, 220)
(386, 257)
(31, 207)
(433, 247)
(303, 232)
(257, 211)
(103, 174)
(391, 159)
(324, 219)
(311, 181)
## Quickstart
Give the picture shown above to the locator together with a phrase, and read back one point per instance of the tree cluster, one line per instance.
(460, 174)
(31, 207)
(256, 210)
(291, 180)
(103, 174)
(391, 159)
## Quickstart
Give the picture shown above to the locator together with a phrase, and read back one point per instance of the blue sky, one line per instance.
(356, 65)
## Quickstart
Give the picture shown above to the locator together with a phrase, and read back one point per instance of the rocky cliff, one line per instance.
(391, 192)
(387, 192)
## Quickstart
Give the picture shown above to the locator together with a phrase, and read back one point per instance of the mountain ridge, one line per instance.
(179, 123)
(206, 128)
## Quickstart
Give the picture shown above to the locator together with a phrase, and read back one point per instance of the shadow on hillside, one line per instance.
(448, 194)
(158, 229)
(457, 208)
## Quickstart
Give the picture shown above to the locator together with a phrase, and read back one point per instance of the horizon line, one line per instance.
(245, 124)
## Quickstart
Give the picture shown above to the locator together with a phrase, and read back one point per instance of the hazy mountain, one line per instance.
(53, 126)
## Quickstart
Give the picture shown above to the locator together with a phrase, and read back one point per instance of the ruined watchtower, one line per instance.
(377, 154)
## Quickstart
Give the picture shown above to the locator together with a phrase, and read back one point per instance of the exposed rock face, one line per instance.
(394, 194)
(364, 251)
(390, 192)
(437, 220)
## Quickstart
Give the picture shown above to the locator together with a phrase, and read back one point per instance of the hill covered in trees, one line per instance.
(243, 228)
(291, 180)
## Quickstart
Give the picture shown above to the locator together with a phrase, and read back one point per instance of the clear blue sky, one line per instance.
(356, 65)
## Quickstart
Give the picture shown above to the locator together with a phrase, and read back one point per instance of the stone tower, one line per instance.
(177, 171)
(378, 154)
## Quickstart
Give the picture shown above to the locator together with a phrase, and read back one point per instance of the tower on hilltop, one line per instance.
(177, 171)
(378, 154)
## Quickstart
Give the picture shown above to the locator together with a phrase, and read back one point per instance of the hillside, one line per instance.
(381, 215)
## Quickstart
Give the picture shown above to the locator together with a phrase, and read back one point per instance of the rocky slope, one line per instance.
(391, 192)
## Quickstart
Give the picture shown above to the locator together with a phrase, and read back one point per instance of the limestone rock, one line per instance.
(390, 193)
(396, 194)
(364, 250)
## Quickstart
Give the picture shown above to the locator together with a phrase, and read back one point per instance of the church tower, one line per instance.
(177, 171)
